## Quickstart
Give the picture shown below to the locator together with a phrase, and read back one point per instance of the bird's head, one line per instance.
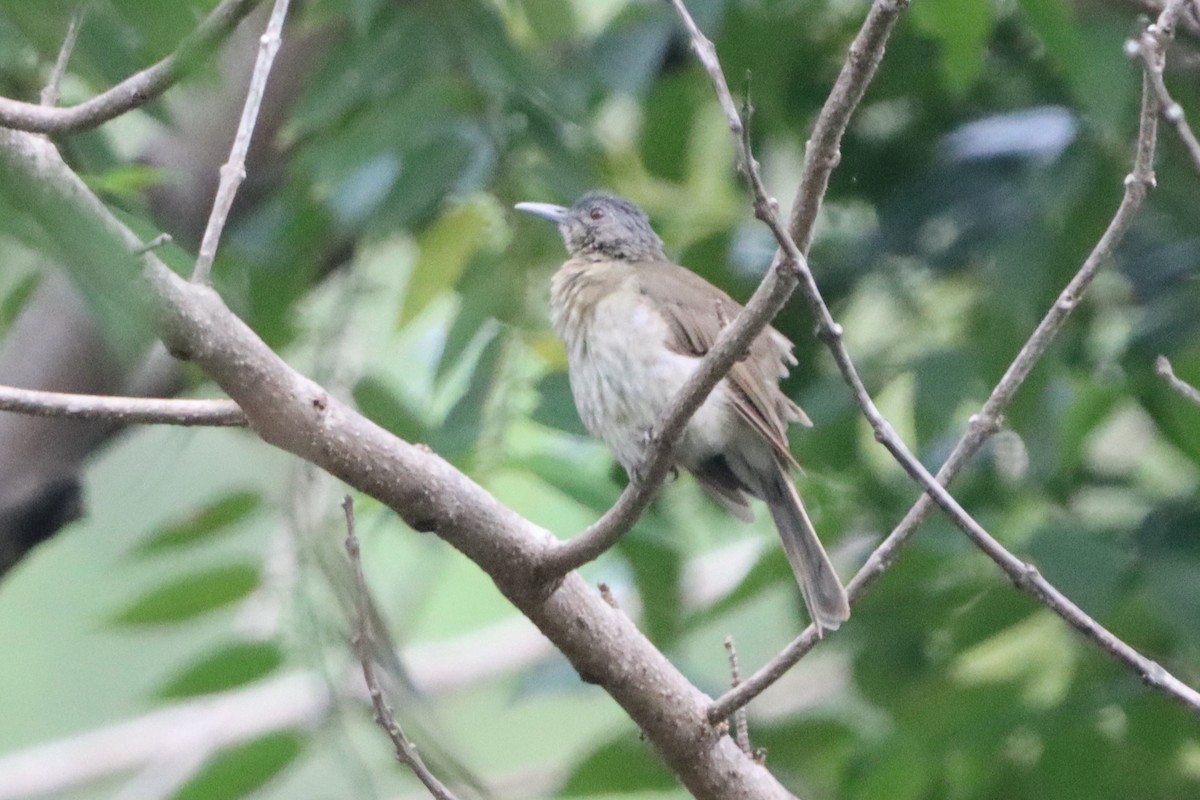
(603, 225)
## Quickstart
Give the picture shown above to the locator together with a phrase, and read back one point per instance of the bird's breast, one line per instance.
(622, 373)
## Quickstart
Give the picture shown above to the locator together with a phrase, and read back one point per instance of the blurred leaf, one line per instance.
(226, 668)
(12, 302)
(622, 765)
(657, 567)
(631, 50)
(573, 482)
(1028, 653)
(766, 573)
(127, 182)
(961, 28)
(488, 291)
(446, 248)
(202, 524)
(551, 20)
(1090, 568)
(238, 771)
(817, 750)
(900, 770)
(456, 437)
(943, 380)
(191, 595)
(386, 408)
(556, 405)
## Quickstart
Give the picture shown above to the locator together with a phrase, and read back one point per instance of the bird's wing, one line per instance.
(754, 378)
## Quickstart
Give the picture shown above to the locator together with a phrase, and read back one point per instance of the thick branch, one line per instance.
(127, 410)
(295, 414)
(134, 91)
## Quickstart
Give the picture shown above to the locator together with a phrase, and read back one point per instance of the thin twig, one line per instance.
(1165, 371)
(133, 92)
(233, 172)
(823, 151)
(158, 241)
(741, 727)
(982, 426)
(406, 751)
(49, 95)
(1151, 47)
(127, 410)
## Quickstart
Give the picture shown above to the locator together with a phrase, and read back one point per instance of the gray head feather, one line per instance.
(602, 225)
(611, 226)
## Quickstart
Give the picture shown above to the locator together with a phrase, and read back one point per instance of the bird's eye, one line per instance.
(596, 214)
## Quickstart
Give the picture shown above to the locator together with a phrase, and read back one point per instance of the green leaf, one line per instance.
(624, 764)
(209, 521)
(961, 28)
(766, 573)
(127, 183)
(191, 595)
(446, 248)
(657, 569)
(457, 435)
(571, 480)
(386, 408)
(901, 770)
(943, 379)
(232, 665)
(238, 771)
(12, 302)
(489, 291)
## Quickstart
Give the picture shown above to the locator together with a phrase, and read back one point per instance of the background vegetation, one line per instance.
(379, 255)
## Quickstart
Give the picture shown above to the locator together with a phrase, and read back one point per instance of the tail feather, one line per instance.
(823, 592)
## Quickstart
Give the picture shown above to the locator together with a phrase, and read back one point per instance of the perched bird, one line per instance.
(635, 326)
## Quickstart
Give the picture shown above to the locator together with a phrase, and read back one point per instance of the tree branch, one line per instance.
(136, 90)
(49, 96)
(823, 152)
(1162, 366)
(1151, 48)
(128, 410)
(233, 172)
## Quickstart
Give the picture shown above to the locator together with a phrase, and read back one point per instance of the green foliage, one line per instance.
(225, 668)
(202, 523)
(622, 765)
(240, 771)
(190, 595)
(939, 247)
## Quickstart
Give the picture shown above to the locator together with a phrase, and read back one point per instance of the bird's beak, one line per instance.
(556, 214)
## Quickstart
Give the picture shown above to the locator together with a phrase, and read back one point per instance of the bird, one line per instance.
(635, 326)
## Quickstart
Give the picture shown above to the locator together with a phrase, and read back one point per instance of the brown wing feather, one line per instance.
(754, 379)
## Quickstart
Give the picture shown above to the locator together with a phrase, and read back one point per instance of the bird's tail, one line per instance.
(823, 592)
